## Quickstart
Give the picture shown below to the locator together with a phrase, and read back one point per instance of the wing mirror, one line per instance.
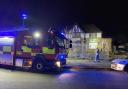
(70, 46)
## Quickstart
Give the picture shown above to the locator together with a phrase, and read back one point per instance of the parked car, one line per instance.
(120, 64)
(121, 53)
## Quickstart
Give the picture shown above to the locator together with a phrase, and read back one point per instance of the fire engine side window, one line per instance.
(28, 41)
(48, 41)
(59, 41)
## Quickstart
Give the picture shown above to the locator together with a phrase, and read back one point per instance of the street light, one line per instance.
(37, 35)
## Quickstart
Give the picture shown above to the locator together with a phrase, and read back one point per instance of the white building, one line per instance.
(84, 44)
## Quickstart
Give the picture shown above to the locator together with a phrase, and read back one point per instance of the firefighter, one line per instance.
(97, 55)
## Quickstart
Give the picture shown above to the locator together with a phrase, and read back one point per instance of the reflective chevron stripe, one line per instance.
(46, 50)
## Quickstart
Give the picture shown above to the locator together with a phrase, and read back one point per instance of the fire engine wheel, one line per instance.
(38, 66)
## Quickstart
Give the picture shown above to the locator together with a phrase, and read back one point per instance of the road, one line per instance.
(67, 79)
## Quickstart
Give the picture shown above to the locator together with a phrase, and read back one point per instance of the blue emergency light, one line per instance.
(24, 16)
(62, 33)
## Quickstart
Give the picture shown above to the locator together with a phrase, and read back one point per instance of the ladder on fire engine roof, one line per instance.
(13, 29)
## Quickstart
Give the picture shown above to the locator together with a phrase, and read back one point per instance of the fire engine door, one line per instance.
(6, 50)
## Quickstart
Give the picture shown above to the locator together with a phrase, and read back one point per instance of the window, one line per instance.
(30, 42)
(48, 41)
(60, 41)
(93, 45)
(87, 35)
(99, 35)
(82, 35)
(93, 35)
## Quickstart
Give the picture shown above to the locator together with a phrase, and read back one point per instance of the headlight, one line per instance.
(58, 64)
(30, 62)
(120, 67)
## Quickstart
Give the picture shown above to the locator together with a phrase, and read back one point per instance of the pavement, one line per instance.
(88, 64)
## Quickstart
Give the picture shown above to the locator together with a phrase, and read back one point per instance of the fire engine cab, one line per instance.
(33, 49)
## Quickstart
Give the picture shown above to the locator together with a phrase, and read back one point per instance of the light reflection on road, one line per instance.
(67, 79)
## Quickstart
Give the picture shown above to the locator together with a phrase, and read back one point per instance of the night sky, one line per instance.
(110, 16)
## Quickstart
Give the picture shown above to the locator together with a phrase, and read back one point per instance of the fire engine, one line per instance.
(32, 49)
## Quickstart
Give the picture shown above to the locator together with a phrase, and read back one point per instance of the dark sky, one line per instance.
(110, 16)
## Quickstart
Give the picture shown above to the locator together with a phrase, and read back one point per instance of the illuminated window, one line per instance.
(82, 35)
(92, 45)
(93, 35)
(87, 35)
(99, 35)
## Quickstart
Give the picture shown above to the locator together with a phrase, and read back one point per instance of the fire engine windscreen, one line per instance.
(60, 42)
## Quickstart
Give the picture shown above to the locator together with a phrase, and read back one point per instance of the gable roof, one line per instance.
(91, 28)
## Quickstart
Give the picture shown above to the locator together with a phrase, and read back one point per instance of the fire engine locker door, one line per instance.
(6, 50)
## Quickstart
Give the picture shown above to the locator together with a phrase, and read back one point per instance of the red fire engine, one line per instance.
(33, 49)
